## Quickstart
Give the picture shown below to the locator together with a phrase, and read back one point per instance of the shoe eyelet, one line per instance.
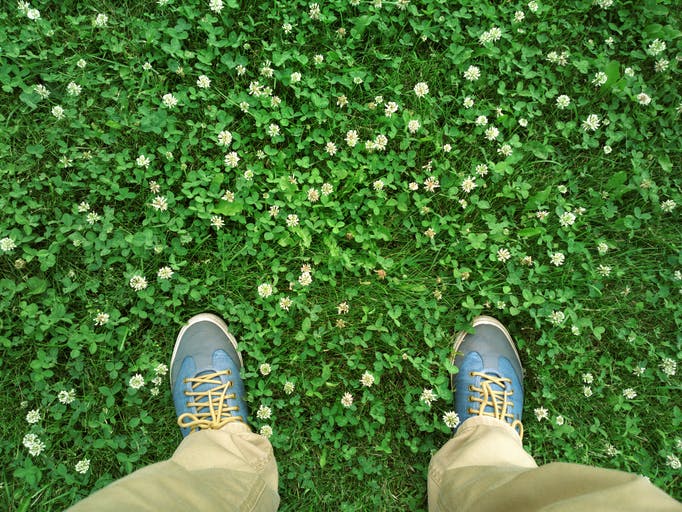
(471, 399)
(471, 388)
(471, 374)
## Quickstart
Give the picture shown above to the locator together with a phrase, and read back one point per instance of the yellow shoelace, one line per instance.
(498, 400)
(213, 412)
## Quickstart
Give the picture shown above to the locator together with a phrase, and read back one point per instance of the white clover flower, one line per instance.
(313, 195)
(413, 125)
(265, 369)
(352, 138)
(101, 20)
(101, 318)
(591, 123)
(160, 203)
(481, 121)
(390, 108)
(82, 466)
(643, 98)
(567, 219)
(33, 416)
(92, 218)
(292, 220)
(58, 112)
(629, 393)
(557, 259)
(327, 188)
(305, 279)
(330, 148)
(673, 461)
(378, 185)
(451, 419)
(66, 397)
(217, 221)
(265, 290)
(264, 412)
(215, 5)
(656, 46)
(314, 11)
(492, 133)
(232, 159)
(541, 413)
(472, 73)
(367, 379)
(273, 130)
(600, 78)
(661, 65)
(503, 255)
(607, 149)
(519, 16)
(7, 244)
(421, 89)
(289, 387)
(138, 282)
(265, 431)
(468, 102)
(588, 378)
(41, 91)
(203, 82)
(505, 150)
(169, 100)
(136, 381)
(668, 366)
(563, 101)
(668, 205)
(143, 161)
(295, 77)
(468, 184)
(380, 142)
(604, 270)
(587, 391)
(342, 308)
(481, 170)
(165, 273)
(428, 396)
(560, 420)
(33, 14)
(224, 138)
(73, 89)
(29, 439)
(347, 400)
(34, 444)
(556, 317)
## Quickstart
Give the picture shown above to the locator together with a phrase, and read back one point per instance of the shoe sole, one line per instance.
(483, 320)
(206, 317)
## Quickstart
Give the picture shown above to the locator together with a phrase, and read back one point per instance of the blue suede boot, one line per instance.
(207, 388)
(490, 377)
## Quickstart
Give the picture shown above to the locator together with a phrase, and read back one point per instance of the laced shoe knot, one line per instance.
(493, 398)
(209, 395)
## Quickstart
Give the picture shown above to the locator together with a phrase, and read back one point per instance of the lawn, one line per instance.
(348, 183)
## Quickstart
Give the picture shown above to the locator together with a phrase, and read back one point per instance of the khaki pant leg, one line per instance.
(484, 468)
(228, 469)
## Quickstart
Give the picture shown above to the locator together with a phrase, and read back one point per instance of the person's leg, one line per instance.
(220, 463)
(484, 467)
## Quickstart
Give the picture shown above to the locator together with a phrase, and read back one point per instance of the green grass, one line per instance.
(614, 311)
